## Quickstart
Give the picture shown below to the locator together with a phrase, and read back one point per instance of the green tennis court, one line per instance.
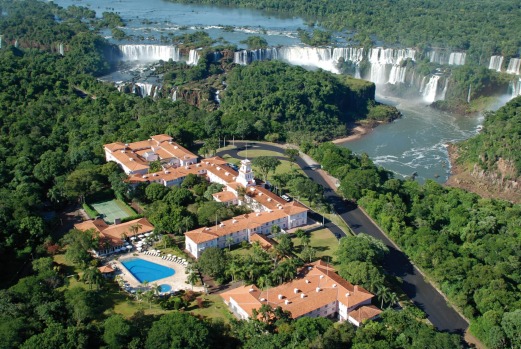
(110, 210)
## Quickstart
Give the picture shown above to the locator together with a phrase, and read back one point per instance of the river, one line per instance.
(153, 18)
(414, 144)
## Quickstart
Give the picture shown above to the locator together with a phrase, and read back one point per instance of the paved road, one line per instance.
(423, 294)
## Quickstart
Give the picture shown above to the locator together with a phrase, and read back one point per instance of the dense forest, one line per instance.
(286, 102)
(481, 29)
(468, 245)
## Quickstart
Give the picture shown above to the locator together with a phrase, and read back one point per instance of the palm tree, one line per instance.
(92, 276)
(241, 192)
(229, 242)
(193, 278)
(393, 299)
(383, 292)
(134, 228)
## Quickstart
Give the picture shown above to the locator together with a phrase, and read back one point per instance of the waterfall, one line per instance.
(350, 54)
(496, 62)
(438, 57)
(16, 43)
(193, 57)
(148, 53)
(429, 92)
(240, 57)
(397, 75)
(468, 95)
(457, 58)
(513, 66)
(217, 99)
(143, 89)
(515, 88)
(0, 41)
(174, 95)
(60, 49)
(316, 57)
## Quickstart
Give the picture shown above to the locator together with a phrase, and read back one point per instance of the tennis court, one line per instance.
(112, 209)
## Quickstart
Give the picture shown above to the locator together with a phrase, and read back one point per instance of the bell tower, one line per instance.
(246, 174)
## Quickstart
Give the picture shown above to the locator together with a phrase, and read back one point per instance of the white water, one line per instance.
(496, 62)
(457, 58)
(149, 53)
(450, 58)
(143, 89)
(513, 66)
(397, 75)
(430, 90)
(515, 88)
(174, 95)
(193, 57)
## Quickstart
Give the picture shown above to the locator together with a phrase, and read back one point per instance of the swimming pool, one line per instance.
(144, 270)
(165, 288)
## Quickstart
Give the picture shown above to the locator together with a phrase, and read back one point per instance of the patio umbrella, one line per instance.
(141, 236)
(139, 248)
(148, 234)
(132, 238)
(129, 247)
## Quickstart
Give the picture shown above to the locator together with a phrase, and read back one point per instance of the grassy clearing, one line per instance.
(214, 308)
(323, 241)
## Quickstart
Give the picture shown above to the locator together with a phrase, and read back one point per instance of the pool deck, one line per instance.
(177, 281)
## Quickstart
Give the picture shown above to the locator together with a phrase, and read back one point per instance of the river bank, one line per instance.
(475, 180)
(357, 132)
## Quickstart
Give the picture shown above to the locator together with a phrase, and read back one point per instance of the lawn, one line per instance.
(214, 308)
(323, 241)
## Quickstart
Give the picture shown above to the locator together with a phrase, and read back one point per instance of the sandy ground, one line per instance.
(177, 281)
(358, 132)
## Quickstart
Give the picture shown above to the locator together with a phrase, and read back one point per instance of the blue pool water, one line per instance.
(165, 288)
(147, 271)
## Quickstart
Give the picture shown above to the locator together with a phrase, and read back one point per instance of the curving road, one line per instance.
(423, 294)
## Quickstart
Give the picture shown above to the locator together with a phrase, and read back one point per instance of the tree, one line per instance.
(511, 324)
(116, 332)
(292, 155)
(79, 243)
(178, 330)
(156, 191)
(213, 262)
(193, 277)
(134, 228)
(266, 164)
(92, 276)
(229, 242)
(308, 253)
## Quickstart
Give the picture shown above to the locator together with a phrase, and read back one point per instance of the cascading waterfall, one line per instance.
(61, 50)
(438, 57)
(431, 89)
(380, 59)
(217, 99)
(513, 66)
(496, 62)
(174, 95)
(515, 88)
(143, 89)
(468, 95)
(316, 57)
(457, 58)
(351, 54)
(148, 53)
(397, 75)
(193, 57)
